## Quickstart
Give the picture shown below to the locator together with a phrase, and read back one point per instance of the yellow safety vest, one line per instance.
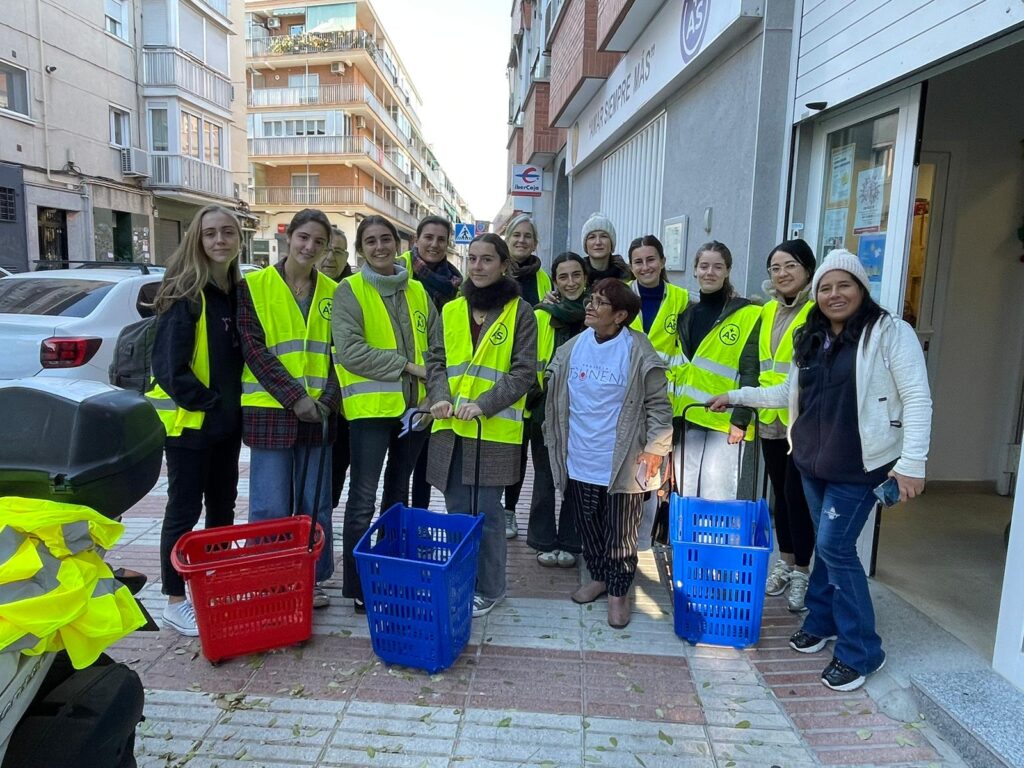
(363, 398)
(406, 261)
(664, 337)
(55, 590)
(543, 284)
(175, 418)
(715, 366)
(302, 345)
(545, 342)
(471, 372)
(774, 370)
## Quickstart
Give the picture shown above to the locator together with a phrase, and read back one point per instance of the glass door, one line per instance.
(861, 189)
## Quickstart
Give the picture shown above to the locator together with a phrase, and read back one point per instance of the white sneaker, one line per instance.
(511, 531)
(778, 578)
(797, 590)
(320, 597)
(182, 618)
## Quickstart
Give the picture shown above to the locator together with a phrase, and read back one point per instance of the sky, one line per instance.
(456, 51)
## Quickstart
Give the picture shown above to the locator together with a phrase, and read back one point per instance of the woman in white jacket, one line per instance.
(860, 412)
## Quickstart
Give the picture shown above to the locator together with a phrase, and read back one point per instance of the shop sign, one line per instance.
(682, 38)
(526, 181)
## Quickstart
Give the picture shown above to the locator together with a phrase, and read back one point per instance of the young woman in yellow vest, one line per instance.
(599, 249)
(790, 269)
(335, 265)
(484, 368)
(557, 322)
(521, 238)
(718, 335)
(289, 383)
(382, 324)
(661, 303)
(197, 388)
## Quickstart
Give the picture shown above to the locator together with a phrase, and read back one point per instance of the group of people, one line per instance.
(406, 367)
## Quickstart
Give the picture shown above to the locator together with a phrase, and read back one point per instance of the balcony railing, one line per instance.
(328, 145)
(171, 67)
(337, 196)
(324, 95)
(311, 42)
(188, 173)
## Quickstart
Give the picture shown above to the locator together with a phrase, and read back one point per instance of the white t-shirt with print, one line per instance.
(597, 387)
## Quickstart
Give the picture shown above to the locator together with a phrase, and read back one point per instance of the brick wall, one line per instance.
(609, 15)
(538, 135)
(574, 54)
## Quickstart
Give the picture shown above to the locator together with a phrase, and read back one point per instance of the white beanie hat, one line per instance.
(839, 259)
(596, 222)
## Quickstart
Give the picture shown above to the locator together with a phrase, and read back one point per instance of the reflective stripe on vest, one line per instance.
(302, 345)
(175, 419)
(471, 372)
(664, 337)
(775, 369)
(363, 398)
(715, 367)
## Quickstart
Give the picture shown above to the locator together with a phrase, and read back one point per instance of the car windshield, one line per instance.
(68, 297)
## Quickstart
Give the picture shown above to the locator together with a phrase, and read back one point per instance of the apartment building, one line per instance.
(333, 123)
(119, 119)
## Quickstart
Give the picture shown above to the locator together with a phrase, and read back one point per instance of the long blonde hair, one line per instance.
(188, 269)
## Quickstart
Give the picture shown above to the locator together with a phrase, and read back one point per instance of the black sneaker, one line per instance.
(842, 677)
(805, 642)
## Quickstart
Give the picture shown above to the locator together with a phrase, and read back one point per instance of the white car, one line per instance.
(65, 322)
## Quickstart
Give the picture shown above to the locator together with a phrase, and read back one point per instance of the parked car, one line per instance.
(65, 323)
(5, 273)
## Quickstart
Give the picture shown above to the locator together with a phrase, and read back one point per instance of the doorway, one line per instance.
(53, 238)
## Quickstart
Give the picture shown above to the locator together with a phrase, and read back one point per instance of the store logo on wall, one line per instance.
(693, 26)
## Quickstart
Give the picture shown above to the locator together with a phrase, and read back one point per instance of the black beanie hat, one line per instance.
(799, 250)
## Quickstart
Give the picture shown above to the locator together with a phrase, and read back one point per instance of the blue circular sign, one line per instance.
(692, 27)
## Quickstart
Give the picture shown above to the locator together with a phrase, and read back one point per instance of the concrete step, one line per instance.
(978, 712)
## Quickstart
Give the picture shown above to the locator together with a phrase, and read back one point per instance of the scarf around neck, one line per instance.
(566, 313)
(441, 280)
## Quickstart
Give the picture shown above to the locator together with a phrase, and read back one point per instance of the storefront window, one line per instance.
(858, 184)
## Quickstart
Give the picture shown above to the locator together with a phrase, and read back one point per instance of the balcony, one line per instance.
(181, 172)
(173, 68)
(311, 43)
(331, 196)
(330, 147)
(220, 6)
(326, 95)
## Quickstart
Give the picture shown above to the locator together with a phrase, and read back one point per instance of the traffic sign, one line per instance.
(526, 180)
(464, 233)
(482, 227)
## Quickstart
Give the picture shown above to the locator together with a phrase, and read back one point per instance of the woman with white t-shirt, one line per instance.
(608, 426)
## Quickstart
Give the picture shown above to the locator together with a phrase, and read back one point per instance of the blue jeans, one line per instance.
(274, 474)
(838, 601)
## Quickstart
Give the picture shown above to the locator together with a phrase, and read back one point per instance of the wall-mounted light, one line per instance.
(51, 68)
(817, 106)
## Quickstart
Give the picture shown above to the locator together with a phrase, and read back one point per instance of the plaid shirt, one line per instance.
(276, 428)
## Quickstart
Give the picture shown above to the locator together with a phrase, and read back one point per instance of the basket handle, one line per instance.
(739, 463)
(300, 496)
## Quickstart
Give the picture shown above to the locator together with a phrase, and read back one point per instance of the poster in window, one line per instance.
(833, 230)
(871, 252)
(870, 200)
(841, 174)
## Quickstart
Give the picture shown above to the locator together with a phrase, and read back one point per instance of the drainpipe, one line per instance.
(45, 76)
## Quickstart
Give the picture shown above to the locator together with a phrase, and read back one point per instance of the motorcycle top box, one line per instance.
(78, 442)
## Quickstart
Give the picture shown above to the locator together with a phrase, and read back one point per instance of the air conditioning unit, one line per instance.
(134, 162)
(337, 68)
(273, 23)
(361, 123)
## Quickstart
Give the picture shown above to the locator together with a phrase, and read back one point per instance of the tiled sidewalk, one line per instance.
(543, 682)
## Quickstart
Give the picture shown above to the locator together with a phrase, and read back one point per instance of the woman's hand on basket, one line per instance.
(442, 409)
(468, 411)
(718, 403)
(735, 434)
(306, 409)
(909, 486)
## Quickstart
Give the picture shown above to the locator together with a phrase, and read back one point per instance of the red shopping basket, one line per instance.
(251, 584)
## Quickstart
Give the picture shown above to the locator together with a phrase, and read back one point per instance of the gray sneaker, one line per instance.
(483, 605)
(181, 617)
(797, 590)
(511, 531)
(778, 578)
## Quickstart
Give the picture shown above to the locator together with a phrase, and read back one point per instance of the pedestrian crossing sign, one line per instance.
(464, 233)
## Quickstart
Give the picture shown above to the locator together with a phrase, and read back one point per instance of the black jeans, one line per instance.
(195, 475)
(513, 491)
(542, 533)
(370, 440)
(793, 526)
(339, 460)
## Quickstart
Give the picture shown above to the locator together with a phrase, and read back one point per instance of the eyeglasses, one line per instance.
(596, 303)
(777, 269)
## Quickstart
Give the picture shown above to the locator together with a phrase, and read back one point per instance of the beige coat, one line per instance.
(644, 423)
(499, 462)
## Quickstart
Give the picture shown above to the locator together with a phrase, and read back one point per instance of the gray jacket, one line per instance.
(350, 346)
(644, 423)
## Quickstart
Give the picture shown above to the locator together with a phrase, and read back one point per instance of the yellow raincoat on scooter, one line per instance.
(55, 590)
